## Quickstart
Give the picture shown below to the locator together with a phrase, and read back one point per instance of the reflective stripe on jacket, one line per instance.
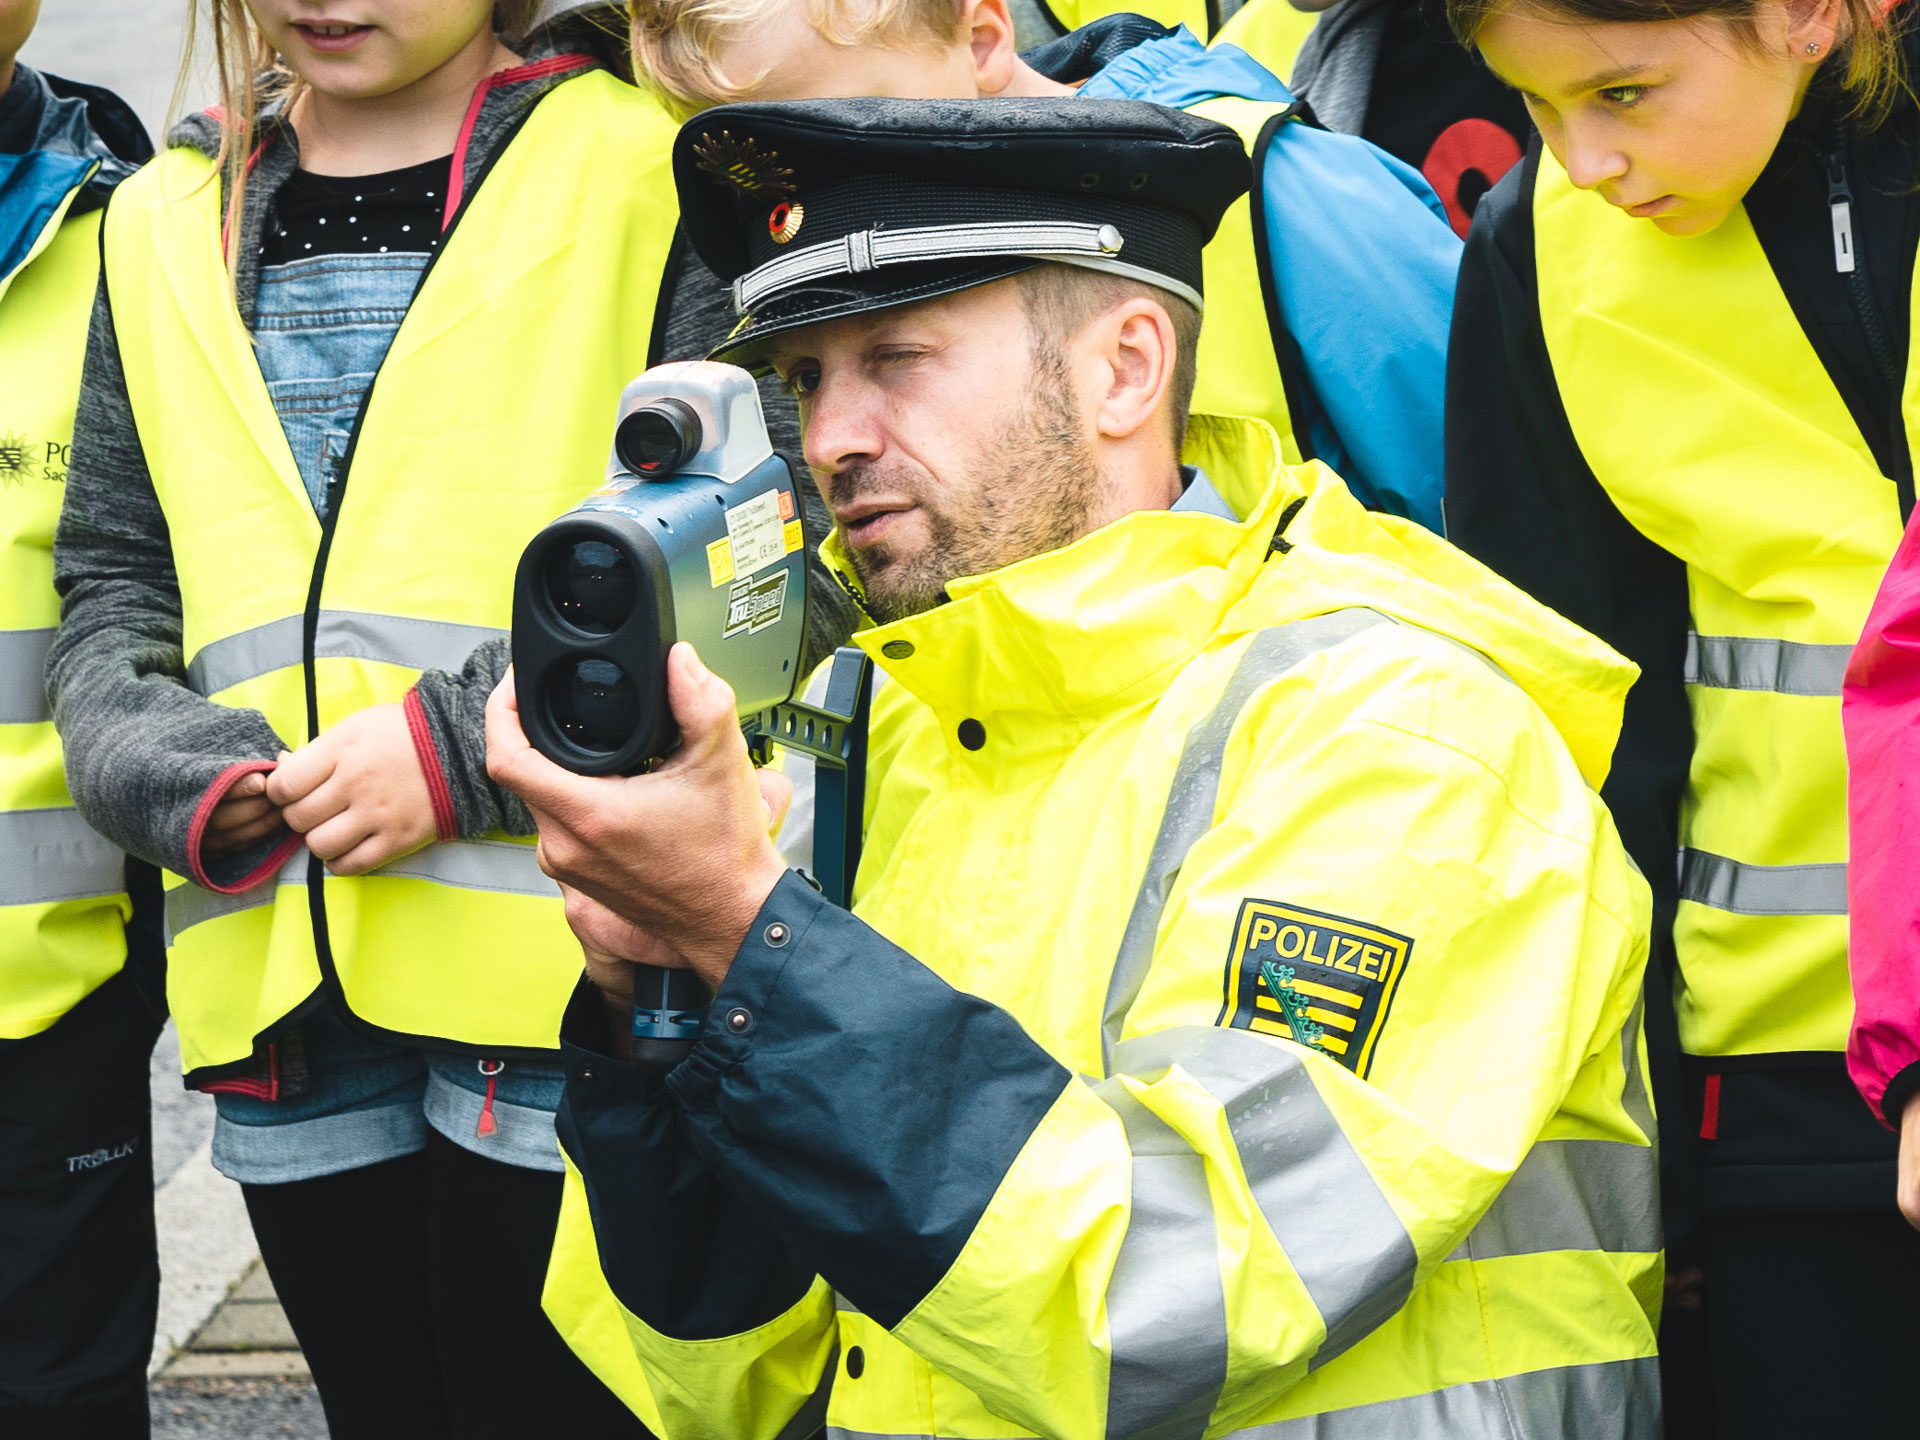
(491, 413)
(1237, 1030)
(63, 908)
(1703, 409)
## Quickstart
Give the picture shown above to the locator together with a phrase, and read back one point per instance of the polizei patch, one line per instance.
(1322, 980)
(752, 605)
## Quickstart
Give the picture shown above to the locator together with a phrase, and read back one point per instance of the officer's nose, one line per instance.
(842, 426)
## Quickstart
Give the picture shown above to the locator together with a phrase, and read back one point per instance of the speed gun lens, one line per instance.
(657, 439)
(592, 586)
(595, 705)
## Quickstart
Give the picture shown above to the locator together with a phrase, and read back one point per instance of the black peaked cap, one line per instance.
(816, 209)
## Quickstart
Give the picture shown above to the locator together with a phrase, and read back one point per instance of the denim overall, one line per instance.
(321, 328)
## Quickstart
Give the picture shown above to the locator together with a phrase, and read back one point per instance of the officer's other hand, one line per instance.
(1909, 1175)
(244, 816)
(681, 855)
(357, 793)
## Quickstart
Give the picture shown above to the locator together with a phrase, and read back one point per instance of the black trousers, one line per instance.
(1813, 1322)
(79, 1278)
(414, 1288)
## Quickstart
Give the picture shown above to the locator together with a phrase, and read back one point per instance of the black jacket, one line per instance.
(1792, 1134)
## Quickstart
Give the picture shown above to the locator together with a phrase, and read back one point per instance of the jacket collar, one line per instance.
(1100, 625)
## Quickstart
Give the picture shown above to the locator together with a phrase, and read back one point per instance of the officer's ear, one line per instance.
(988, 26)
(1138, 351)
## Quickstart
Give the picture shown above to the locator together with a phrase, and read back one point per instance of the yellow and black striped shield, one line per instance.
(1322, 980)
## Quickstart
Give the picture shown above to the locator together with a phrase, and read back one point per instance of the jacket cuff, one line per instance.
(680, 1251)
(445, 825)
(1900, 1089)
(244, 869)
(860, 1103)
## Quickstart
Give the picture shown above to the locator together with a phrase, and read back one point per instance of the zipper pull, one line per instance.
(1840, 203)
(491, 1069)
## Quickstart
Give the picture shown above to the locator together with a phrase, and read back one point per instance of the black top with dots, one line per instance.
(398, 211)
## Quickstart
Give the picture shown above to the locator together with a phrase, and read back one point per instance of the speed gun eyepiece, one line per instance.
(695, 535)
(658, 439)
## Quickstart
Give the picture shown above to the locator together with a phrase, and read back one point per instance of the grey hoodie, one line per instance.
(142, 749)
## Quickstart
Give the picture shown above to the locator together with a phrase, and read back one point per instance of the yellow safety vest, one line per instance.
(1201, 754)
(492, 413)
(1196, 15)
(63, 909)
(1237, 364)
(1701, 406)
(1272, 31)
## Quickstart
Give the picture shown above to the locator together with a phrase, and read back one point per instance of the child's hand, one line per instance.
(244, 816)
(357, 793)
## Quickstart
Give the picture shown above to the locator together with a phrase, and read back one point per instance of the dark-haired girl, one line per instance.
(1679, 411)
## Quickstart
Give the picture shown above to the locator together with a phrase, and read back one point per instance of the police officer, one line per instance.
(1237, 1023)
(79, 985)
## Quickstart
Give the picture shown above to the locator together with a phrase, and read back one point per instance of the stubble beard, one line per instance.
(1043, 485)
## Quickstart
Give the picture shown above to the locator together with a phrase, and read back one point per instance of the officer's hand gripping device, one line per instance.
(695, 536)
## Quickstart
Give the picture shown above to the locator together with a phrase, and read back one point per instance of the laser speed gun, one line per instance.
(695, 535)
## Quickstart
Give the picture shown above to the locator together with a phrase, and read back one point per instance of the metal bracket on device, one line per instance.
(833, 734)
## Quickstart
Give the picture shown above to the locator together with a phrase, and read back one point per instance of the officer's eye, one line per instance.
(803, 379)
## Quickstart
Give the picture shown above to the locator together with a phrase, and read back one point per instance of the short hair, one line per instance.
(1061, 300)
(677, 43)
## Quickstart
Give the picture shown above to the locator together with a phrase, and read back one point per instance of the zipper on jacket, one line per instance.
(1846, 261)
(487, 1124)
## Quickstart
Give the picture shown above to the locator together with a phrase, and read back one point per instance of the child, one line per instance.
(1675, 414)
(360, 333)
(79, 982)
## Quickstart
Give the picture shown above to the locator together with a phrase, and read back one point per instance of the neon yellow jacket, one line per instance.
(1238, 1023)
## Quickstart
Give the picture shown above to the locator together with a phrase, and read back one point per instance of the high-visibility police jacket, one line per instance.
(1658, 439)
(1236, 1030)
(63, 905)
(491, 413)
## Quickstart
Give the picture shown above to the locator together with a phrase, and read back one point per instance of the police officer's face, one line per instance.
(944, 440)
(1671, 120)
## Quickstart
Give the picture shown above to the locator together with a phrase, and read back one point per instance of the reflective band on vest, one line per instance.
(340, 635)
(23, 668)
(1617, 1400)
(62, 910)
(1691, 340)
(492, 413)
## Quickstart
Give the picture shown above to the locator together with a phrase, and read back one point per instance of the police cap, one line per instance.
(817, 209)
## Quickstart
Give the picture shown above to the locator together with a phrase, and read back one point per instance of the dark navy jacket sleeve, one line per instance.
(678, 1247)
(863, 1108)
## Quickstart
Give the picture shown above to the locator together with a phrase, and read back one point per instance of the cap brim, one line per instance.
(865, 294)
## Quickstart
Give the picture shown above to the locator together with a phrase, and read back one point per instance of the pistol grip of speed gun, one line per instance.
(669, 1007)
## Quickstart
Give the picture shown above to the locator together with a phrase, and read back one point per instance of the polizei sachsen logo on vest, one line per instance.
(23, 459)
(1321, 980)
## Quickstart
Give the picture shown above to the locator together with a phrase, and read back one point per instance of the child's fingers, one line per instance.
(225, 841)
(231, 814)
(300, 773)
(369, 854)
(315, 808)
(337, 837)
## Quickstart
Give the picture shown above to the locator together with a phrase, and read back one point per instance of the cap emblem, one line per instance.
(783, 222)
(742, 164)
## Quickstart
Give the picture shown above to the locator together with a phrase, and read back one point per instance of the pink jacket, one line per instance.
(1881, 713)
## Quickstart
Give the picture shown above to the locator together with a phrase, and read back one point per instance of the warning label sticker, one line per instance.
(753, 605)
(757, 533)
